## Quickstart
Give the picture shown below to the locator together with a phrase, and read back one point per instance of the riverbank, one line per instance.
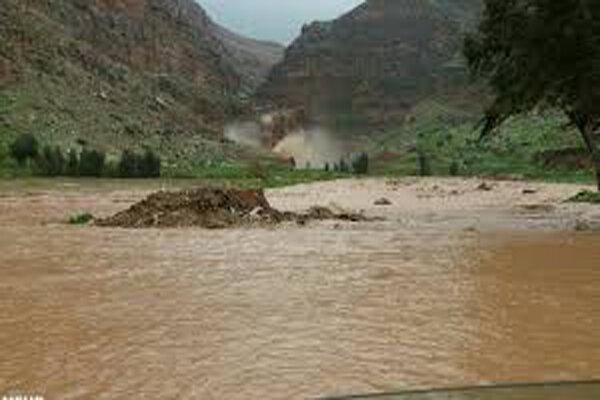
(456, 203)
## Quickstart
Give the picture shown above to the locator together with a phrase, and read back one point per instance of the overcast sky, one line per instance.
(278, 20)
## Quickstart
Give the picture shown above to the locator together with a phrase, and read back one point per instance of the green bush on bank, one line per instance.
(24, 148)
(81, 219)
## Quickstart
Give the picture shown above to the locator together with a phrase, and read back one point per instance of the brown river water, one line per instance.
(457, 287)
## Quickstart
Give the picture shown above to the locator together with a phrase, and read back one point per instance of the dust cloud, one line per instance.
(247, 133)
(310, 147)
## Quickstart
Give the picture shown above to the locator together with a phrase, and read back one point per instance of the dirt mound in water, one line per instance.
(213, 209)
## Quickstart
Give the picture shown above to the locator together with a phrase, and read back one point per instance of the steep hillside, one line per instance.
(116, 73)
(372, 65)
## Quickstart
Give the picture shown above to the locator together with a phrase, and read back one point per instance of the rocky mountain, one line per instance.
(118, 73)
(373, 64)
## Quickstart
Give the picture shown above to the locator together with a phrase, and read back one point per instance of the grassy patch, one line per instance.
(452, 147)
(81, 219)
(586, 197)
(257, 174)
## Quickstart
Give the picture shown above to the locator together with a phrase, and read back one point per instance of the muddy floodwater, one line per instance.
(462, 284)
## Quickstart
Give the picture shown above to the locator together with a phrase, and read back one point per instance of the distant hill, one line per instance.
(119, 73)
(372, 65)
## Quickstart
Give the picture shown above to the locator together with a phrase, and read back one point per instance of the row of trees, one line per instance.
(358, 164)
(53, 161)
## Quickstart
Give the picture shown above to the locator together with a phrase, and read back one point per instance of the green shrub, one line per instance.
(424, 166)
(81, 219)
(24, 147)
(92, 163)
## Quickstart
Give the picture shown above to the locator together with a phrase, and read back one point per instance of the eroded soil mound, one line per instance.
(213, 209)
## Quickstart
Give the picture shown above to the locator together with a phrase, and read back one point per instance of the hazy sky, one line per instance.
(278, 20)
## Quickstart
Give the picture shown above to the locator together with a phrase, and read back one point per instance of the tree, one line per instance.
(72, 168)
(59, 161)
(541, 53)
(43, 161)
(150, 164)
(424, 165)
(51, 161)
(134, 165)
(128, 165)
(92, 163)
(360, 164)
(343, 166)
(24, 147)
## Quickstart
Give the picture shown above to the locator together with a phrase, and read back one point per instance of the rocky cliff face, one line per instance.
(122, 72)
(373, 64)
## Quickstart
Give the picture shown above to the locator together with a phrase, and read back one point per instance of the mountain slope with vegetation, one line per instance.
(114, 74)
(373, 64)
(390, 78)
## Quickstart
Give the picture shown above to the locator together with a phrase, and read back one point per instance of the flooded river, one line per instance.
(455, 288)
